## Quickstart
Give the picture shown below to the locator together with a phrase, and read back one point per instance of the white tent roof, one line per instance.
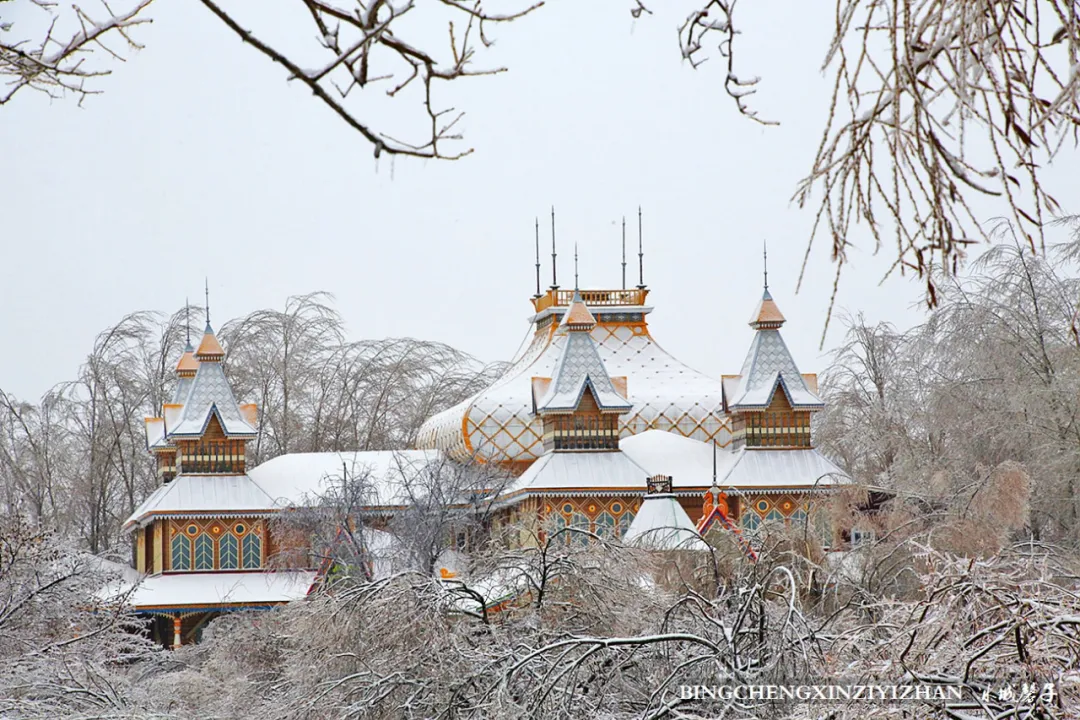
(687, 461)
(217, 588)
(301, 478)
(803, 469)
(580, 470)
(662, 524)
(198, 495)
(498, 422)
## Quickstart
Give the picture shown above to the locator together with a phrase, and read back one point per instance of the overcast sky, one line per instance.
(199, 160)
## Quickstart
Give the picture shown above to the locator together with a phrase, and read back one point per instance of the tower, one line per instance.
(770, 400)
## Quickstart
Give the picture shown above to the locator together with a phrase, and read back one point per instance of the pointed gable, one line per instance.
(210, 395)
(579, 367)
(769, 366)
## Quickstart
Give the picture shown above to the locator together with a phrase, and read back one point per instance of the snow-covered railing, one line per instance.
(596, 298)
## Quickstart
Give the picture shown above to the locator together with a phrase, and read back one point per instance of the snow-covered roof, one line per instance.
(768, 365)
(799, 469)
(662, 524)
(210, 395)
(498, 422)
(581, 470)
(199, 495)
(155, 433)
(688, 462)
(580, 366)
(177, 590)
(302, 478)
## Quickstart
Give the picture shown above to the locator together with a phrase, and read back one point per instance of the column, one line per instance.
(176, 631)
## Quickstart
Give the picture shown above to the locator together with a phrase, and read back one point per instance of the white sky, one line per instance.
(200, 160)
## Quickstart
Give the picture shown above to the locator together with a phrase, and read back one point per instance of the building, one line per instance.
(589, 411)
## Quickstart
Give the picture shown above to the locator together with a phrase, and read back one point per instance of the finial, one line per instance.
(537, 257)
(640, 253)
(554, 277)
(624, 252)
(206, 282)
(714, 463)
(765, 256)
(575, 268)
(187, 320)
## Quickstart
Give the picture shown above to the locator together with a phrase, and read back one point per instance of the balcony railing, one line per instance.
(217, 458)
(632, 297)
(584, 433)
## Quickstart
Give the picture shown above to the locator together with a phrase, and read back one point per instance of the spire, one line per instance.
(575, 268)
(537, 257)
(206, 282)
(765, 256)
(578, 317)
(187, 365)
(640, 253)
(554, 277)
(624, 252)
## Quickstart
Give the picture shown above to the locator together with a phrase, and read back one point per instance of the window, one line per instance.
(774, 516)
(861, 537)
(798, 519)
(252, 551)
(181, 552)
(579, 521)
(624, 522)
(750, 520)
(204, 552)
(605, 525)
(229, 552)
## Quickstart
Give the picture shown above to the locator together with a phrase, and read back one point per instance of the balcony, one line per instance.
(632, 297)
(212, 458)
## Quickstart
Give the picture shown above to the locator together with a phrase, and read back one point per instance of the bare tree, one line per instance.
(63, 643)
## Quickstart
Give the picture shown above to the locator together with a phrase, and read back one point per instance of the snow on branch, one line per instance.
(58, 62)
(366, 44)
(937, 102)
(714, 22)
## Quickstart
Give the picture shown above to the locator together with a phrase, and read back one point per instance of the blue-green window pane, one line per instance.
(750, 520)
(204, 552)
(774, 516)
(605, 525)
(252, 547)
(579, 521)
(229, 552)
(181, 552)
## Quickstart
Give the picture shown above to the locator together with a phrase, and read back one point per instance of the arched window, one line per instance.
(252, 546)
(229, 552)
(798, 520)
(204, 552)
(605, 525)
(181, 552)
(579, 521)
(624, 522)
(774, 516)
(750, 520)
